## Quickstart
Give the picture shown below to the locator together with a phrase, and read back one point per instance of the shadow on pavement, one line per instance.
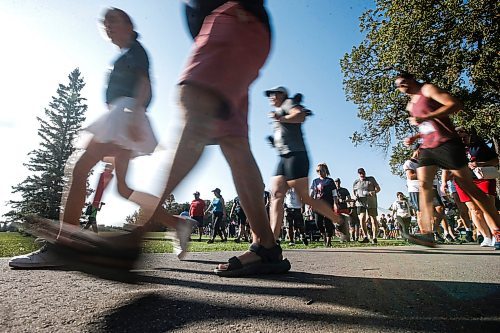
(409, 305)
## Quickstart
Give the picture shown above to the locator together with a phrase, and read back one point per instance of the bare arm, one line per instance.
(449, 103)
(296, 116)
(411, 174)
(445, 176)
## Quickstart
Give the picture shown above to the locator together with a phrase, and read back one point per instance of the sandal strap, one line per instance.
(267, 255)
(234, 263)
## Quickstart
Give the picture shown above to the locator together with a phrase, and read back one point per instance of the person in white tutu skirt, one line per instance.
(125, 131)
(122, 133)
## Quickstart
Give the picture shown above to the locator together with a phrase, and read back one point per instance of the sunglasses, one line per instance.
(400, 83)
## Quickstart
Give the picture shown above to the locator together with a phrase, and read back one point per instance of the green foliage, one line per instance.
(453, 44)
(41, 191)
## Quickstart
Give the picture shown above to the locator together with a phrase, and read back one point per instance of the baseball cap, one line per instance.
(196, 193)
(337, 180)
(279, 89)
(216, 190)
(361, 170)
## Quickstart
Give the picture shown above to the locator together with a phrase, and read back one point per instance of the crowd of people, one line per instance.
(302, 225)
(235, 37)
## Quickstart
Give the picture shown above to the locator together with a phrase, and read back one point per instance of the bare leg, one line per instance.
(374, 222)
(146, 201)
(199, 108)
(478, 219)
(72, 210)
(249, 186)
(279, 187)
(462, 210)
(362, 220)
(480, 199)
(425, 176)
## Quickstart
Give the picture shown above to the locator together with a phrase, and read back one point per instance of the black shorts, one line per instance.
(294, 218)
(371, 211)
(450, 156)
(198, 219)
(354, 220)
(241, 218)
(293, 166)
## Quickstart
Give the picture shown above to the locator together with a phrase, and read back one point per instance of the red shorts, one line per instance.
(227, 55)
(488, 186)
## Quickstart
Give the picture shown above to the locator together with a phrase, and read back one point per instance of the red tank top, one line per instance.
(435, 131)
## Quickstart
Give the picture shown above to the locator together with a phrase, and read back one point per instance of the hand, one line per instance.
(409, 141)
(472, 165)
(273, 115)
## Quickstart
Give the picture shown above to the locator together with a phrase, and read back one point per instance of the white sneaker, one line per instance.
(183, 233)
(487, 242)
(45, 257)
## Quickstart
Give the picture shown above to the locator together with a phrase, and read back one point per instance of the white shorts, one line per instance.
(112, 127)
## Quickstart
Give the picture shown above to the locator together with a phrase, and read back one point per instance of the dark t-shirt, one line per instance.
(237, 205)
(197, 10)
(479, 151)
(343, 195)
(127, 70)
(288, 137)
(324, 189)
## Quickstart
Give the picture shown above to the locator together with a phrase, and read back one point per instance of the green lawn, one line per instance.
(13, 243)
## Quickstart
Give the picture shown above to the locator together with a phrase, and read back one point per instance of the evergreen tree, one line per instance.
(453, 44)
(41, 191)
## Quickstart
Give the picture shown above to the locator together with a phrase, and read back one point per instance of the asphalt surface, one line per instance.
(454, 288)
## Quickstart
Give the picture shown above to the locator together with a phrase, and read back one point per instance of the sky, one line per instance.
(45, 40)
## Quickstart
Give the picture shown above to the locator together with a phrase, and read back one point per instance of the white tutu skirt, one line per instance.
(112, 127)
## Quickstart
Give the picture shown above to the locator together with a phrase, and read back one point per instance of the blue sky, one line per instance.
(47, 39)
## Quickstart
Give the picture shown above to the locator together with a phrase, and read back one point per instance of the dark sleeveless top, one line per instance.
(435, 131)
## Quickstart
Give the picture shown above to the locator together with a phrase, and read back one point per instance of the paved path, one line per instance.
(374, 289)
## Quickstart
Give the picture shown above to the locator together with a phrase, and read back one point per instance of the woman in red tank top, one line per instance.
(430, 108)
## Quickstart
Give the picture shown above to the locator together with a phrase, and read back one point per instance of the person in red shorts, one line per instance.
(430, 108)
(196, 212)
(479, 154)
(232, 40)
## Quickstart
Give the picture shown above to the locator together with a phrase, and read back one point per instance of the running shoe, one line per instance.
(45, 257)
(422, 239)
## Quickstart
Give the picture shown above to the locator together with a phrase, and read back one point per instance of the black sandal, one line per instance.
(271, 262)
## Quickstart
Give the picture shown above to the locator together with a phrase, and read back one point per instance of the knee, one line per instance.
(80, 169)
(278, 195)
(475, 212)
(124, 190)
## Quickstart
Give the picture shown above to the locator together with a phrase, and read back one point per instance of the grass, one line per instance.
(13, 243)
